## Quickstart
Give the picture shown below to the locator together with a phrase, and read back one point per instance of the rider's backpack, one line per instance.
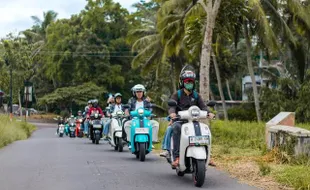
(195, 94)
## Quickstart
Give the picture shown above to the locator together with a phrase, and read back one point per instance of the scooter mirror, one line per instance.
(172, 102)
(211, 103)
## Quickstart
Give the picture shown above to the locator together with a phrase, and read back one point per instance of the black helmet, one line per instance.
(95, 102)
(186, 75)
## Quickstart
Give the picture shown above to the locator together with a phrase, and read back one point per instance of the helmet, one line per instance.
(138, 87)
(86, 109)
(117, 95)
(89, 102)
(95, 102)
(186, 75)
(80, 112)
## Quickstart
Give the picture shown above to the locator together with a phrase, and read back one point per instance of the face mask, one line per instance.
(189, 86)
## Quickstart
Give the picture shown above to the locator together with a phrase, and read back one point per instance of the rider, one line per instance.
(186, 99)
(113, 109)
(85, 120)
(95, 107)
(60, 120)
(139, 100)
(80, 114)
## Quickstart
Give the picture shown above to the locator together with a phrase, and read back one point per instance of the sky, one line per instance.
(15, 15)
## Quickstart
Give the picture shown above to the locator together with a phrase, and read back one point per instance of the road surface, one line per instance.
(47, 162)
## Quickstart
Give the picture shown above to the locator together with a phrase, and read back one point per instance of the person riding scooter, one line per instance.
(85, 120)
(139, 100)
(185, 97)
(113, 109)
(95, 107)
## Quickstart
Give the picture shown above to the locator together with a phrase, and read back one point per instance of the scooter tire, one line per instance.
(199, 173)
(61, 135)
(97, 138)
(120, 145)
(142, 152)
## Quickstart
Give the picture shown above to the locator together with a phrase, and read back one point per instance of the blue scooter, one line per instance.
(141, 133)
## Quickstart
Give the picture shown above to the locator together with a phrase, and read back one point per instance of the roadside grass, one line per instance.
(48, 116)
(239, 148)
(13, 131)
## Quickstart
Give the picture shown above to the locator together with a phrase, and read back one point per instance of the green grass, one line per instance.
(294, 176)
(13, 131)
(303, 125)
(238, 134)
(162, 128)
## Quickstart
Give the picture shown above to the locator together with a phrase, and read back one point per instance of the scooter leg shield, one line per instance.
(197, 152)
(141, 138)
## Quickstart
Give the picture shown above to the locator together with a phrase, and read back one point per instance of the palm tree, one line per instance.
(37, 36)
(38, 32)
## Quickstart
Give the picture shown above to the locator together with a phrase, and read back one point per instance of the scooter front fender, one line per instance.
(118, 134)
(141, 138)
(197, 152)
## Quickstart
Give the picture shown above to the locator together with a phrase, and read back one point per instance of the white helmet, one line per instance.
(138, 87)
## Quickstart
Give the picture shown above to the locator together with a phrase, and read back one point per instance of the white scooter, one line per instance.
(61, 129)
(115, 132)
(195, 143)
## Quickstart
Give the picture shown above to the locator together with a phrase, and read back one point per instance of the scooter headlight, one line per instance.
(195, 113)
(140, 111)
(96, 115)
(119, 113)
(80, 120)
(71, 123)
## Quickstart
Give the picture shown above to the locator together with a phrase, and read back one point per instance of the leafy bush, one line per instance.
(244, 112)
(13, 131)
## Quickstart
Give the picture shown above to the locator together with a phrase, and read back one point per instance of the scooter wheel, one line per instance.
(120, 145)
(199, 172)
(142, 152)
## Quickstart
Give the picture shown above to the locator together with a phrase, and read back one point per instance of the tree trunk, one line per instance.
(219, 84)
(228, 90)
(251, 70)
(204, 81)
(172, 77)
(20, 106)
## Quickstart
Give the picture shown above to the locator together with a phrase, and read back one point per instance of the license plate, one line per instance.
(199, 140)
(97, 126)
(72, 128)
(142, 130)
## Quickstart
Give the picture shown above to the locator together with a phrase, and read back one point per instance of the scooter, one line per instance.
(195, 143)
(79, 129)
(140, 133)
(115, 132)
(61, 127)
(72, 128)
(96, 122)
(61, 130)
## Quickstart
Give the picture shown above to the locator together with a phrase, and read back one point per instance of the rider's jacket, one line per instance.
(94, 109)
(186, 101)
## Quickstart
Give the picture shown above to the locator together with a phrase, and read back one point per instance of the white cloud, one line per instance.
(15, 15)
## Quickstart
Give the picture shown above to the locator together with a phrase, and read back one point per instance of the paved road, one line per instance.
(48, 162)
